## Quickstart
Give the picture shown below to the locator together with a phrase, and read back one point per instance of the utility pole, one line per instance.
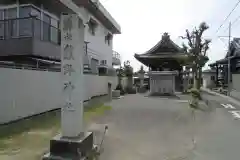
(229, 59)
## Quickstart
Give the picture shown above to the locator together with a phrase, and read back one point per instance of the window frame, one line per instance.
(40, 17)
(212, 78)
(96, 67)
(108, 39)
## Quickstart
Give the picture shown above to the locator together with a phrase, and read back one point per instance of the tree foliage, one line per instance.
(120, 72)
(128, 70)
(197, 46)
(196, 49)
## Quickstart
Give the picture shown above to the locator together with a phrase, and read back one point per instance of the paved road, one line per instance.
(154, 128)
(223, 140)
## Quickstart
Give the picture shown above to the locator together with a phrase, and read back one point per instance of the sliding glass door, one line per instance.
(11, 26)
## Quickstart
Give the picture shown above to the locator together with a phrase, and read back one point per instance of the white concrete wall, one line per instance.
(235, 82)
(25, 92)
(235, 86)
(207, 82)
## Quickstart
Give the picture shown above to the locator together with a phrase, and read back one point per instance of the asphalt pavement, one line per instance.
(142, 127)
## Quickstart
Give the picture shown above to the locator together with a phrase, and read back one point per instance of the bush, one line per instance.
(195, 93)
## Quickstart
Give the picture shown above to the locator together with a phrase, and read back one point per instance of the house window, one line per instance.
(24, 11)
(37, 22)
(54, 31)
(25, 24)
(1, 24)
(19, 23)
(92, 25)
(103, 62)
(11, 25)
(46, 27)
(108, 39)
(213, 78)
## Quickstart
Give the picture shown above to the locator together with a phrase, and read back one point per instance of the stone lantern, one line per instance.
(141, 77)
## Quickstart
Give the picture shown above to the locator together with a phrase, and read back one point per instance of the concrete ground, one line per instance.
(141, 127)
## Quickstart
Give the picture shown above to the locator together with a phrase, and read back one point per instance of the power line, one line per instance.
(228, 16)
(233, 22)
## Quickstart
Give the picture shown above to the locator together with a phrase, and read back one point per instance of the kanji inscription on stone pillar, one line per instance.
(72, 42)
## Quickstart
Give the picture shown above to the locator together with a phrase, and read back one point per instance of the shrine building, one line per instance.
(165, 61)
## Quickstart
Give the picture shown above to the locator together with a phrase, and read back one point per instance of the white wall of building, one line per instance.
(235, 82)
(235, 86)
(25, 92)
(208, 80)
(98, 49)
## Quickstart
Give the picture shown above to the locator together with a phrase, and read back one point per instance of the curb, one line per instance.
(232, 100)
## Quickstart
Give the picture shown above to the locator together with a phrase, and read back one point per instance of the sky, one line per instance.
(144, 21)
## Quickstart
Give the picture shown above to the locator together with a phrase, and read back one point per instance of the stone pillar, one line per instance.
(73, 141)
(72, 74)
(173, 83)
(142, 89)
(150, 84)
(141, 81)
(217, 75)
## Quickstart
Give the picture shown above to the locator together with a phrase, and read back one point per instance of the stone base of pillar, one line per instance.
(70, 148)
(116, 94)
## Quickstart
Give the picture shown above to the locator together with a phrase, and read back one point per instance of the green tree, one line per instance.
(128, 72)
(197, 48)
(120, 74)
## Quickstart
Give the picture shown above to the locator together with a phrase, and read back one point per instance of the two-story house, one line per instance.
(30, 34)
(30, 49)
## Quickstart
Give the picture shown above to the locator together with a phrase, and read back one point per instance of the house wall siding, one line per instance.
(208, 82)
(25, 93)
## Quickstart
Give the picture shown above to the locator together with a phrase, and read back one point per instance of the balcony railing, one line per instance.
(29, 27)
(116, 58)
(116, 55)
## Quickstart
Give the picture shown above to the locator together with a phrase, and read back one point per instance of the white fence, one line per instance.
(25, 93)
(235, 92)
